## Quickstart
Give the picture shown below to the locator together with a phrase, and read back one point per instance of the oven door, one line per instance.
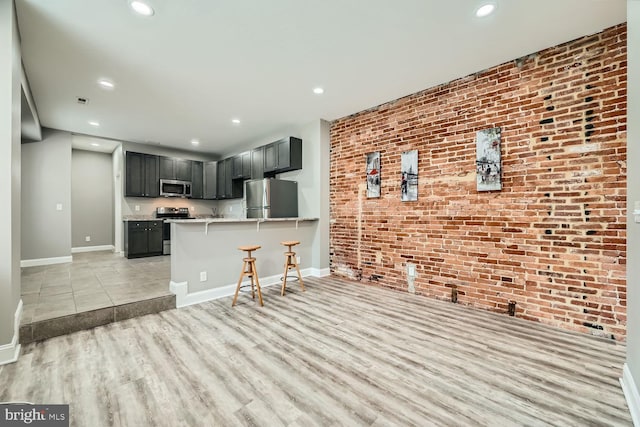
(166, 238)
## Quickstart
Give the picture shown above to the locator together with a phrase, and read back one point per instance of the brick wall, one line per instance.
(553, 240)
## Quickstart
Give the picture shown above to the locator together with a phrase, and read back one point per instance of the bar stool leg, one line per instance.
(295, 262)
(235, 297)
(250, 274)
(255, 275)
(284, 278)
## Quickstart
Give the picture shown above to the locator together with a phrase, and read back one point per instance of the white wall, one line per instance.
(10, 102)
(118, 191)
(631, 380)
(216, 252)
(46, 183)
(91, 199)
(313, 185)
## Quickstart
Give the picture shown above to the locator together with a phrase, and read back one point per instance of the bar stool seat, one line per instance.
(290, 262)
(249, 270)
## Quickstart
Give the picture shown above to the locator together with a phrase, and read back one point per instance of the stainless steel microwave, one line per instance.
(175, 188)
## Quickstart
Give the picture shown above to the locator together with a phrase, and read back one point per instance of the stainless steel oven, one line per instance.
(169, 213)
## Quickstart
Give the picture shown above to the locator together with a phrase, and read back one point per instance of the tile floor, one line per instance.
(92, 281)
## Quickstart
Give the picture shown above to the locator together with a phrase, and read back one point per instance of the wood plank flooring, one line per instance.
(341, 353)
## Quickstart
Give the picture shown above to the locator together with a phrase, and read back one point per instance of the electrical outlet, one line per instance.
(87, 238)
(298, 260)
(203, 276)
(411, 270)
(59, 206)
(137, 207)
(230, 208)
(193, 208)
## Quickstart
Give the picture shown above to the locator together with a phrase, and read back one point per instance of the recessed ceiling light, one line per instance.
(318, 91)
(195, 142)
(141, 8)
(95, 144)
(94, 123)
(485, 10)
(106, 84)
(235, 121)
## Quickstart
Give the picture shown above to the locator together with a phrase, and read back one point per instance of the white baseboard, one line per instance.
(184, 298)
(9, 353)
(632, 394)
(92, 249)
(45, 261)
(319, 272)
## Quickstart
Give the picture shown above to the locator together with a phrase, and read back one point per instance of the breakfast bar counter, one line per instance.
(206, 262)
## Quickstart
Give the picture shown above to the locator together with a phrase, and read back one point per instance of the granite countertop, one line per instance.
(140, 218)
(126, 218)
(222, 220)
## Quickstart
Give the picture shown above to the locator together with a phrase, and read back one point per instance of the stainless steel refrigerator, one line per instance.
(271, 198)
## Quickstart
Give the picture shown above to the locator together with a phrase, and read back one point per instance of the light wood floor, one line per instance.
(338, 354)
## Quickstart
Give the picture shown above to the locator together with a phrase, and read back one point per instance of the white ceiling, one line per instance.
(196, 64)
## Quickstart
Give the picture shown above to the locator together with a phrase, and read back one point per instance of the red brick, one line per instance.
(553, 239)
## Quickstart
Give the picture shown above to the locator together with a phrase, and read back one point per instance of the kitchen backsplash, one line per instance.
(148, 206)
(197, 208)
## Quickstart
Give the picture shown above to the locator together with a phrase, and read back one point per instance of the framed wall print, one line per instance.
(409, 176)
(373, 174)
(488, 163)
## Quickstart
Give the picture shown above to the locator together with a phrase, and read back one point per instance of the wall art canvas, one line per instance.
(409, 176)
(488, 165)
(373, 174)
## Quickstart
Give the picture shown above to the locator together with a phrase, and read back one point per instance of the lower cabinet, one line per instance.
(142, 238)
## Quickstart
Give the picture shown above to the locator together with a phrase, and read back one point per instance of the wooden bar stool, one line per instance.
(249, 270)
(289, 263)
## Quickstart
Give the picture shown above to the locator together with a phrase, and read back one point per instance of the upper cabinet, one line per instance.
(141, 175)
(210, 180)
(172, 168)
(242, 166)
(257, 163)
(197, 179)
(283, 156)
(228, 188)
(184, 169)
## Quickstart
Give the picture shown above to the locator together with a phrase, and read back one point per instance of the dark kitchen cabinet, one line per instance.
(221, 179)
(228, 188)
(151, 181)
(142, 238)
(172, 168)
(242, 166)
(228, 178)
(141, 175)
(210, 180)
(197, 180)
(257, 163)
(283, 156)
(184, 169)
(167, 168)
(270, 158)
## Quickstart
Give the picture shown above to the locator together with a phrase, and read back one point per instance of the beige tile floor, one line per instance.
(93, 280)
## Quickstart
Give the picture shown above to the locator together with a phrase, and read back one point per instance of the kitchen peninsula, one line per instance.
(206, 262)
